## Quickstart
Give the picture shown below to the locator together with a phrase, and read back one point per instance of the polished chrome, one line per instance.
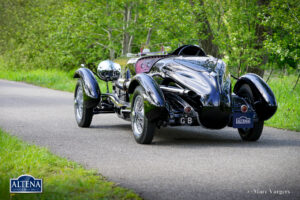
(120, 83)
(116, 101)
(108, 70)
(138, 116)
(126, 85)
(177, 90)
(78, 100)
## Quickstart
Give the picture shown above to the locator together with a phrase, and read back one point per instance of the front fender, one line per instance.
(268, 105)
(91, 88)
(155, 105)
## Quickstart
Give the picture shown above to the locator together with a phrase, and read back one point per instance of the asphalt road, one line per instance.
(182, 163)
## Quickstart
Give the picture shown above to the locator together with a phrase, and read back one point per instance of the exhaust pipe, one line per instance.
(179, 91)
(116, 101)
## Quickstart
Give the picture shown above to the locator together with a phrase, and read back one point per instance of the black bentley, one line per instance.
(186, 87)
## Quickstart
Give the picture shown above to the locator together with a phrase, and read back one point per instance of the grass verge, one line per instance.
(55, 79)
(286, 117)
(62, 179)
(288, 112)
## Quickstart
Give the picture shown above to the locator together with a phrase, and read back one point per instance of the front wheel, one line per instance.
(83, 114)
(250, 134)
(143, 129)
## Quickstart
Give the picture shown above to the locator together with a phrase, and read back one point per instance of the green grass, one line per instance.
(62, 179)
(288, 112)
(55, 79)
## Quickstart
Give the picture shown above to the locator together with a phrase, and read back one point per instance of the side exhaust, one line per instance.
(179, 91)
(116, 101)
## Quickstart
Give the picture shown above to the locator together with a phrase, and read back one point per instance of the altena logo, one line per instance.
(26, 184)
(243, 120)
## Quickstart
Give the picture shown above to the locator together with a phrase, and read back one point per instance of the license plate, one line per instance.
(242, 120)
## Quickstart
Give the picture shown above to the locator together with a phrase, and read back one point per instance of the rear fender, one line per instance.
(90, 86)
(155, 105)
(267, 105)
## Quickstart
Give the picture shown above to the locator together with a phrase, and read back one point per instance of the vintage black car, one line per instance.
(186, 87)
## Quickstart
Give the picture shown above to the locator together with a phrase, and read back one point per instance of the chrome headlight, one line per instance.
(108, 70)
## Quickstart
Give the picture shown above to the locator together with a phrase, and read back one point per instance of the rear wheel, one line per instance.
(250, 134)
(83, 114)
(143, 129)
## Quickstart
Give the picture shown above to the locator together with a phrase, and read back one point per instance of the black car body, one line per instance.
(186, 87)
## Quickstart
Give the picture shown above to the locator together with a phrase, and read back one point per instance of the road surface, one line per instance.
(182, 163)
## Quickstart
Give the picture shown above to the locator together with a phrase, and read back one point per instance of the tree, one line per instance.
(283, 38)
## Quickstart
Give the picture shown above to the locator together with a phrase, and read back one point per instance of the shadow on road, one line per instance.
(219, 138)
(197, 136)
(122, 127)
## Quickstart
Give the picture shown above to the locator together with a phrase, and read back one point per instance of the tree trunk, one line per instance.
(296, 82)
(207, 44)
(111, 54)
(240, 64)
(148, 36)
(269, 75)
(260, 31)
(239, 67)
(129, 48)
(131, 37)
(126, 19)
(111, 50)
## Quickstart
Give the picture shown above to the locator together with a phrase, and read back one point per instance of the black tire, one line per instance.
(250, 134)
(143, 134)
(83, 115)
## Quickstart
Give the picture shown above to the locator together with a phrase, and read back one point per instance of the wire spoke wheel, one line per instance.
(142, 128)
(83, 114)
(138, 119)
(79, 102)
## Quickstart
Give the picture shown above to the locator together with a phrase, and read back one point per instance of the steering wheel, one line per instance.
(199, 50)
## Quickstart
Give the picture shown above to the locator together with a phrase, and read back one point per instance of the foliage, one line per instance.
(236, 32)
(62, 179)
(282, 17)
(63, 34)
